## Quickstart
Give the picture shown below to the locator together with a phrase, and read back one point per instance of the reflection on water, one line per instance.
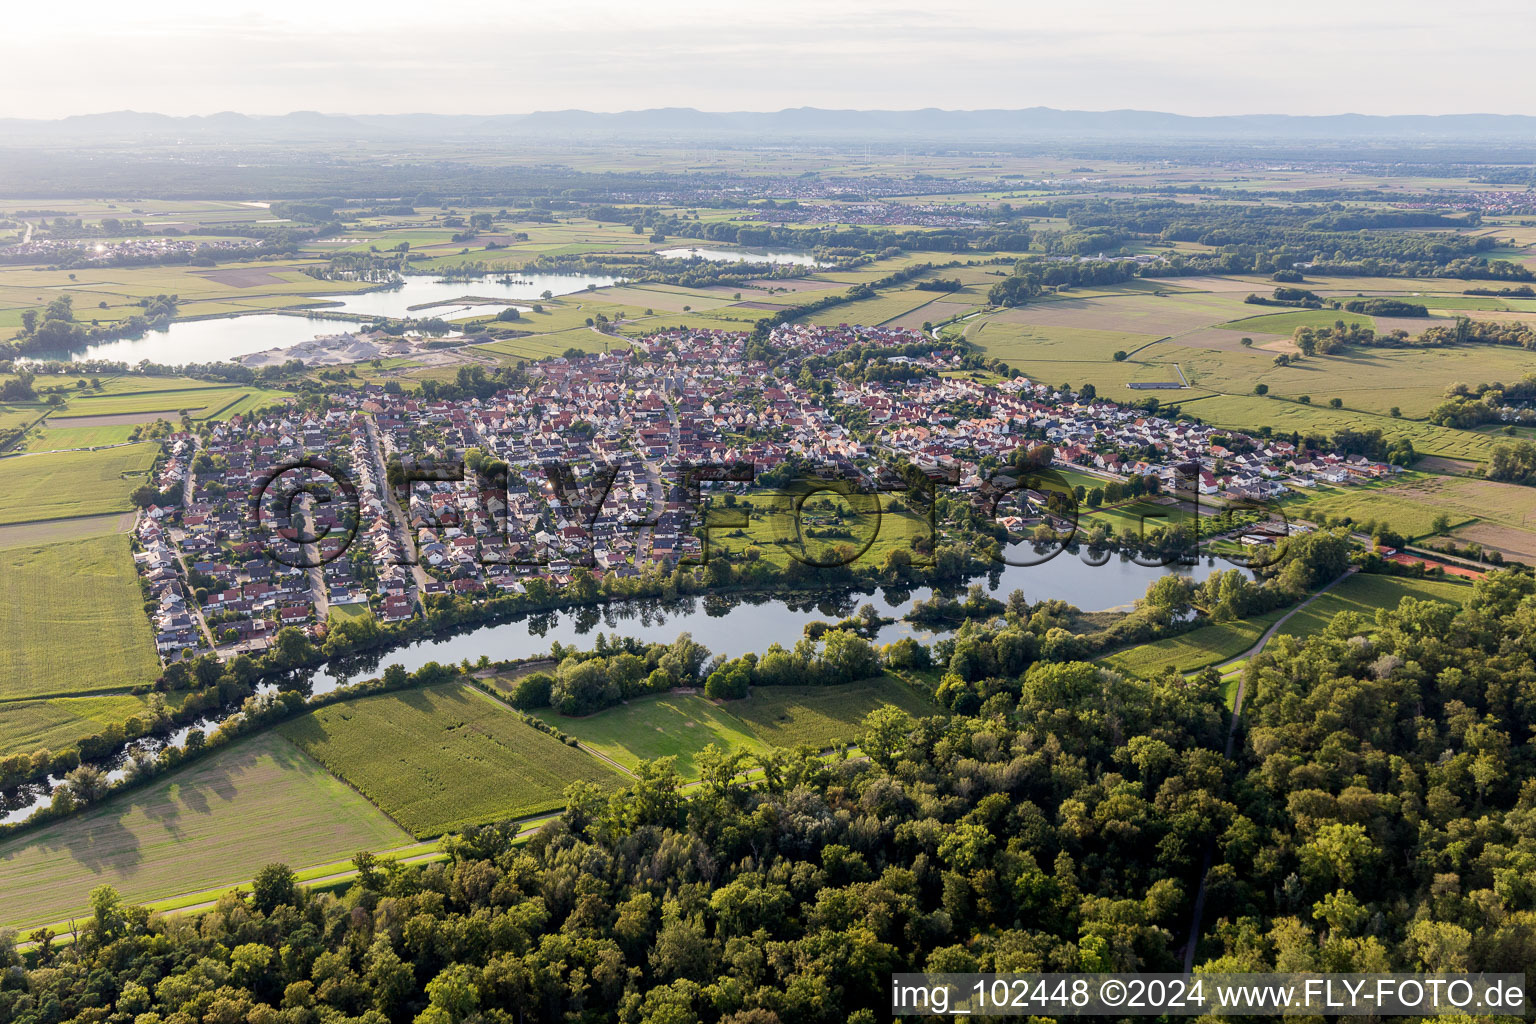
(736, 624)
(726, 624)
(798, 259)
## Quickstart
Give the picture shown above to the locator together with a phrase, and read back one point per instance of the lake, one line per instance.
(224, 338)
(419, 289)
(798, 259)
(732, 626)
(737, 625)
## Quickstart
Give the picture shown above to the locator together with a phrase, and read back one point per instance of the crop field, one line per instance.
(13, 417)
(30, 725)
(1411, 504)
(197, 401)
(53, 439)
(1510, 542)
(1208, 645)
(138, 384)
(218, 821)
(937, 311)
(539, 346)
(201, 290)
(887, 305)
(63, 484)
(1140, 516)
(1286, 323)
(1026, 344)
(1251, 412)
(1072, 338)
(54, 531)
(73, 619)
(822, 716)
(682, 725)
(1132, 311)
(667, 725)
(444, 758)
(1366, 380)
(1506, 504)
(1364, 593)
(665, 298)
(248, 403)
(1366, 503)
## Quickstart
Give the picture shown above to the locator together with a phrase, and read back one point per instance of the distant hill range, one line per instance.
(804, 123)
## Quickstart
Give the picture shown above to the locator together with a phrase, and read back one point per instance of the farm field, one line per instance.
(32, 725)
(1132, 310)
(215, 822)
(200, 402)
(1026, 344)
(1287, 322)
(47, 438)
(1208, 645)
(444, 757)
(202, 290)
(1508, 505)
(138, 384)
(676, 725)
(1140, 516)
(14, 417)
(1252, 412)
(682, 725)
(823, 716)
(1364, 593)
(65, 484)
(53, 531)
(885, 306)
(1196, 338)
(73, 620)
(1411, 504)
(1510, 542)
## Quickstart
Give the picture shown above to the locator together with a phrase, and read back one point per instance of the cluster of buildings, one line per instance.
(874, 214)
(77, 253)
(591, 462)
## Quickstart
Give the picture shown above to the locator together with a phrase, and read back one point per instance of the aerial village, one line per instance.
(595, 449)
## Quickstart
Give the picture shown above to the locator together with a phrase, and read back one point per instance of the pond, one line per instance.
(223, 338)
(798, 259)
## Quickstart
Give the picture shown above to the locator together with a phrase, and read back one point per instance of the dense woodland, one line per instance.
(1379, 812)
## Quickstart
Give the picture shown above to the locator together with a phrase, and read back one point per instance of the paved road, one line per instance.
(319, 594)
(189, 483)
(402, 524)
(656, 487)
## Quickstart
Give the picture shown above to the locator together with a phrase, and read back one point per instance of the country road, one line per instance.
(403, 535)
(1226, 666)
(1198, 913)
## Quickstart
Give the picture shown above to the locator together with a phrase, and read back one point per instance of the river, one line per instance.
(732, 626)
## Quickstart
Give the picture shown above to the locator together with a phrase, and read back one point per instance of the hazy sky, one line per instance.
(474, 56)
